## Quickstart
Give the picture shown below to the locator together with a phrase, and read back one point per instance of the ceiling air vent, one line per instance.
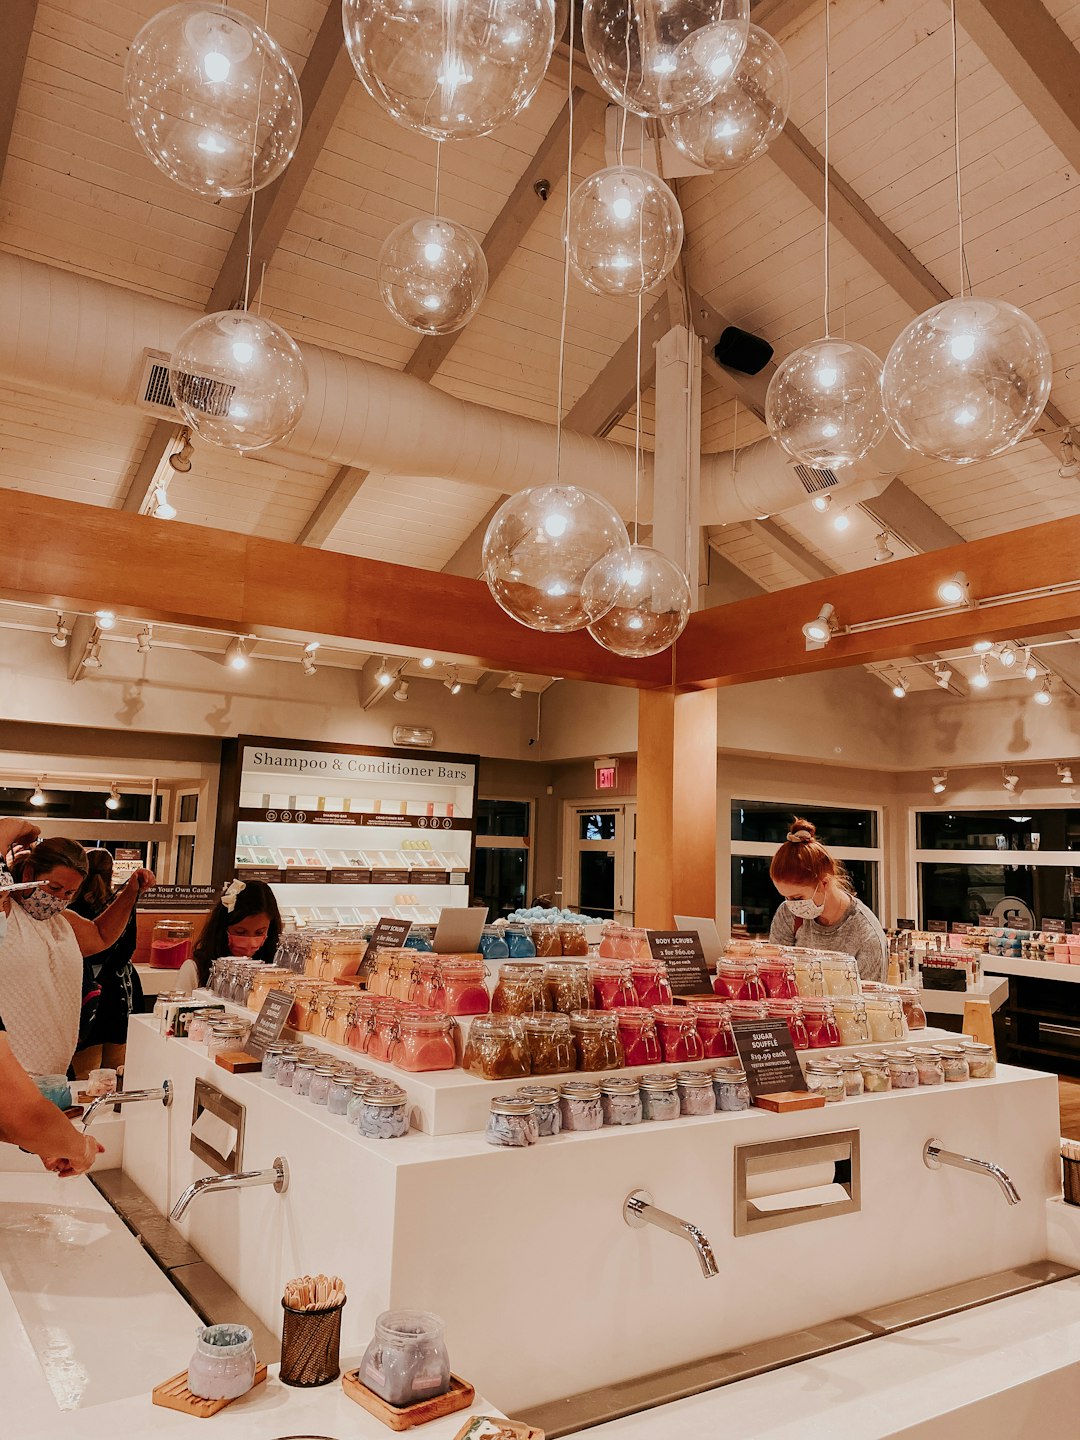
(155, 395)
(815, 480)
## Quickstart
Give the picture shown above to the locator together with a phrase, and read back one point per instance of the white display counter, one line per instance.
(510, 1246)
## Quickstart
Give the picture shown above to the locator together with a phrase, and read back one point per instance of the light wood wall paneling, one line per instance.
(19, 16)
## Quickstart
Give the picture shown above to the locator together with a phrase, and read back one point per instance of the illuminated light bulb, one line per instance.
(821, 502)
(955, 590)
(427, 662)
(113, 800)
(830, 431)
(842, 521)
(212, 144)
(243, 352)
(432, 302)
(555, 524)
(962, 347)
(746, 114)
(965, 416)
(645, 604)
(37, 798)
(819, 631)
(105, 619)
(383, 676)
(236, 656)
(981, 679)
(1007, 655)
(433, 251)
(982, 646)
(900, 687)
(1031, 670)
(940, 780)
(432, 275)
(1043, 695)
(827, 376)
(622, 208)
(216, 66)
(625, 230)
(823, 404)
(556, 589)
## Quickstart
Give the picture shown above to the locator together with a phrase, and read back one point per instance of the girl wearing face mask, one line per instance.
(245, 922)
(820, 909)
(42, 949)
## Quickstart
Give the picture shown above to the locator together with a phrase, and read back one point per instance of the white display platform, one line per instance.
(1032, 969)
(154, 979)
(544, 1289)
(952, 1002)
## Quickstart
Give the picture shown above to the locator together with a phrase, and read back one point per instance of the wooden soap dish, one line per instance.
(175, 1395)
(459, 1397)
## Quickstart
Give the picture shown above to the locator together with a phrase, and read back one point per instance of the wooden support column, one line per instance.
(677, 467)
(677, 819)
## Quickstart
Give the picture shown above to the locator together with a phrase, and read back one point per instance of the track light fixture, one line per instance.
(236, 656)
(942, 675)
(821, 629)
(180, 460)
(382, 675)
(1007, 654)
(112, 801)
(900, 686)
(955, 591)
(983, 647)
(842, 520)
(822, 502)
(981, 678)
(1064, 773)
(1031, 670)
(1069, 466)
(1044, 694)
(882, 552)
(105, 619)
(516, 690)
(38, 797)
(426, 662)
(452, 683)
(307, 663)
(939, 781)
(144, 639)
(1009, 780)
(163, 509)
(61, 634)
(402, 691)
(91, 659)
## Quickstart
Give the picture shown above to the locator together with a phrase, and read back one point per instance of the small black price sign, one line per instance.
(681, 952)
(269, 1022)
(1057, 927)
(939, 977)
(768, 1057)
(389, 935)
(938, 927)
(905, 924)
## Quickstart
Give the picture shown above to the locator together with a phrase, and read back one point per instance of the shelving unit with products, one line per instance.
(348, 834)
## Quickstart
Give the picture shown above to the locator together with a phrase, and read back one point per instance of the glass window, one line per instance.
(74, 804)
(600, 826)
(189, 811)
(185, 858)
(501, 876)
(1017, 828)
(769, 823)
(502, 817)
(596, 883)
(755, 900)
(1019, 895)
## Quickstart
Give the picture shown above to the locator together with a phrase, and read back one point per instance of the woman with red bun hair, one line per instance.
(821, 909)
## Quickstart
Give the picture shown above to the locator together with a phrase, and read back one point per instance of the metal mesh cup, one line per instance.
(310, 1343)
(1070, 1180)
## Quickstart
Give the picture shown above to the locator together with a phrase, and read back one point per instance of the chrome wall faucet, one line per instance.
(934, 1156)
(639, 1211)
(277, 1175)
(164, 1093)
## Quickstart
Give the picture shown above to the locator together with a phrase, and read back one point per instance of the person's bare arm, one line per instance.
(96, 935)
(15, 831)
(29, 1120)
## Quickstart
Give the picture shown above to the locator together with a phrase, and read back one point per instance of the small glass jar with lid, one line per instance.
(511, 1122)
(809, 978)
(572, 939)
(423, 1042)
(519, 943)
(422, 980)
(637, 1031)
(929, 1065)
(384, 1112)
(849, 1012)
(355, 1020)
(171, 943)
(791, 1012)
(406, 1361)
(496, 1049)
(614, 941)
(621, 1101)
(420, 937)
(824, 1077)
(852, 1073)
(821, 1027)
(549, 1043)
(651, 983)
(223, 1365)
(360, 1087)
(199, 1025)
(875, 1073)
(911, 1001)
(519, 990)
(903, 1072)
(955, 1063)
(659, 1097)
(270, 1057)
(581, 1107)
(341, 1087)
(885, 1014)
(777, 974)
(840, 973)
(612, 984)
(545, 939)
(730, 1088)
(302, 1077)
(493, 944)
(596, 1040)
(679, 1038)
(319, 1093)
(381, 1030)
(982, 1064)
(696, 1094)
(226, 1035)
(713, 1027)
(545, 1100)
(566, 986)
(286, 1066)
(738, 980)
(459, 986)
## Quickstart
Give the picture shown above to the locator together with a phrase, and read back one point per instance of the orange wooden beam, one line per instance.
(761, 638)
(68, 555)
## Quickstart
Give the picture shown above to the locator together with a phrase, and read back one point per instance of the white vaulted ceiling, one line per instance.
(77, 192)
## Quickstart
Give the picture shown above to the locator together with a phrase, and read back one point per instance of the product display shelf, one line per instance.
(1044, 1022)
(451, 1224)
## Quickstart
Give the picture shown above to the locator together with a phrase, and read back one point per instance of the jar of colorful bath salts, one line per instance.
(341, 1086)
(852, 1073)
(955, 1063)
(659, 1097)
(929, 1064)
(730, 1088)
(270, 1057)
(566, 986)
(875, 1073)
(545, 1102)
(850, 1015)
(518, 943)
(824, 1077)
(302, 1076)
(511, 1122)
(696, 1095)
(580, 1103)
(286, 1067)
(981, 1062)
(356, 1098)
(319, 1093)
(384, 1114)
(493, 944)
(621, 1102)
(903, 1072)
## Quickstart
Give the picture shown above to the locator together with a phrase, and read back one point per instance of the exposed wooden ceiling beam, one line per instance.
(788, 548)
(467, 558)
(324, 83)
(900, 511)
(338, 496)
(1036, 59)
(19, 16)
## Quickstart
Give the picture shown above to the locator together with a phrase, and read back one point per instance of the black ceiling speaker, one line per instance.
(739, 350)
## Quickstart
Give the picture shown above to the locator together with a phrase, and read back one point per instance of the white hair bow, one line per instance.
(229, 894)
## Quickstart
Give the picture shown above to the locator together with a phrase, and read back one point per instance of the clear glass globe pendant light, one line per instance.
(658, 57)
(969, 378)
(543, 542)
(212, 99)
(745, 115)
(450, 68)
(824, 403)
(432, 274)
(625, 230)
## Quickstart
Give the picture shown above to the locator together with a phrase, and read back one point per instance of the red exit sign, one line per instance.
(606, 777)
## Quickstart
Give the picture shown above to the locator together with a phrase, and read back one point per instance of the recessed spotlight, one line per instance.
(1044, 695)
(402, 691)
(939, 781)
(955, 591)
(38, 797)
(900, 686)
(144, 639)
(821, 502)
(105, 619)
(113, 800)
(236, 656)
(981, 678)
(61, 634)
(819, 631)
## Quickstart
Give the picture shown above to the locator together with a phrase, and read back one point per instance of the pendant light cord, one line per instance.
(828, 50)
(566, 251)
(438, 174)
(956, 144)
(637, 426)
(254, 151)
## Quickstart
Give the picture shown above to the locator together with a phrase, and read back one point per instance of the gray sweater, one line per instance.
(857, 933)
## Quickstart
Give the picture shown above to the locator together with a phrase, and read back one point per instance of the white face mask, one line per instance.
(806, 908)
